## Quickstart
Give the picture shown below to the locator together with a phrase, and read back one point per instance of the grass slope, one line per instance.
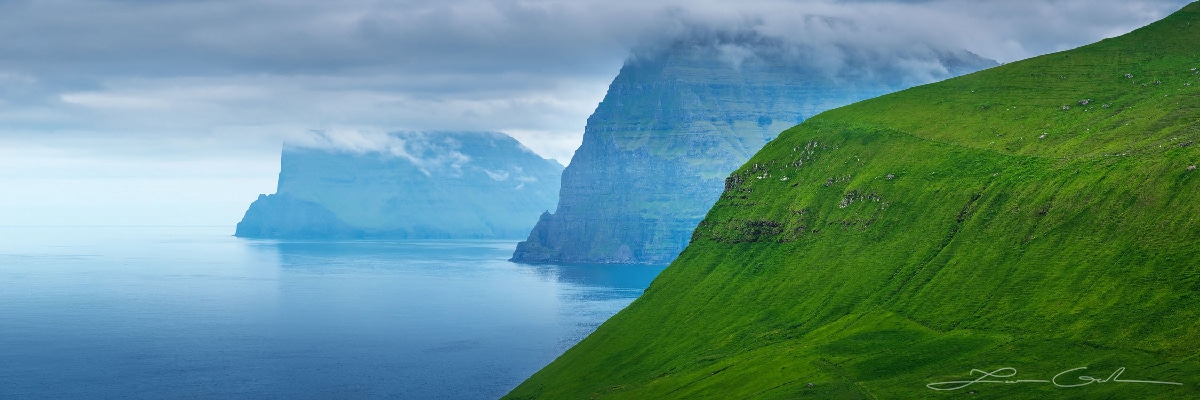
(975, 223)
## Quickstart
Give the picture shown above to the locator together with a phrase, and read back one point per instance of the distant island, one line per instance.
(416, 185)
(680, 116)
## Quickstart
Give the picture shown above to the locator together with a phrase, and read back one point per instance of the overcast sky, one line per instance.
(165, 112)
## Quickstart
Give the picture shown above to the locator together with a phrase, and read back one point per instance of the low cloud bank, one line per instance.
(429, 153)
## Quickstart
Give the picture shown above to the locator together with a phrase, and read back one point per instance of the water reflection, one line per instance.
(446, 318)
(308, 254)
(633, 277)
(194, 313)
(411, 249)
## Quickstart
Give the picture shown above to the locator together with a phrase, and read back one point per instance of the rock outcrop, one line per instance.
(412, 185)
(678, 118)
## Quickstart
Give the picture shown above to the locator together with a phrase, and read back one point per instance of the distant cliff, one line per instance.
(679, 118)
(1040, 217)
(420, 185)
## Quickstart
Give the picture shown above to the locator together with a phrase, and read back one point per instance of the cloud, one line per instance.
(429, 153)
(533, 68)
(351, 140)
(318, 37)
(499, 176)
(1003, 30)
(206, 91)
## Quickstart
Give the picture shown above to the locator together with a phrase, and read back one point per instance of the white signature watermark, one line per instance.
(1062, 379)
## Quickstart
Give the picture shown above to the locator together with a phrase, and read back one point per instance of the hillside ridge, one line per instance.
(1034, 218)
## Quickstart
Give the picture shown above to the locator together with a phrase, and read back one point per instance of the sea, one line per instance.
(195, 313)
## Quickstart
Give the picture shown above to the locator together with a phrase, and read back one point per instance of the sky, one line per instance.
(173, 112)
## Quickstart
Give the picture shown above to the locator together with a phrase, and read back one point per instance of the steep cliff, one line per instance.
(1024, 232)
(412, 185)
(678, 118)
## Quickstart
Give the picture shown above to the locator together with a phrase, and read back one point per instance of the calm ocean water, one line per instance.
(178, 313)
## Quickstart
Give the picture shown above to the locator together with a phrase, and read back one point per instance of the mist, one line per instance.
(134, 90)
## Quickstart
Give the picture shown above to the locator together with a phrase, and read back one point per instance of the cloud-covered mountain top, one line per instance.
(444, 153)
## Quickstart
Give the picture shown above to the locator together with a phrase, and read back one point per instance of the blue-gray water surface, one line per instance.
(194, 313)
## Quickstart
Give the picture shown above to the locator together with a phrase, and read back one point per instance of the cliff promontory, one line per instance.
(1024, 232)
(678, 118)
(407, 185)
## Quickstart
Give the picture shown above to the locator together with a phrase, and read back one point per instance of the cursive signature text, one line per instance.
(1062, 379)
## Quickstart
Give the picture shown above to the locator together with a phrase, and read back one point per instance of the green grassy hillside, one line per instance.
(1042, 215)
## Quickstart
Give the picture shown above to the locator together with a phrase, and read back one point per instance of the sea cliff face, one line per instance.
(416, 185)
(1036, 221)
(675, 121)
